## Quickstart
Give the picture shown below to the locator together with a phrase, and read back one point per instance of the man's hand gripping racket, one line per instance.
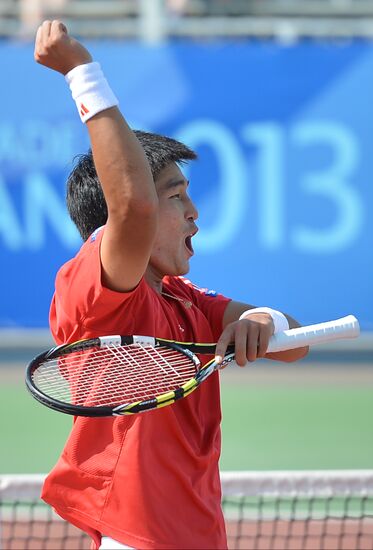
(123, 375)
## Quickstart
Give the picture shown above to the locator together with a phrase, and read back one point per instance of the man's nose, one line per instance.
(192, 212)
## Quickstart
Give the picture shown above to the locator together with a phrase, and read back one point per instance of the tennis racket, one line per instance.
(124, 375)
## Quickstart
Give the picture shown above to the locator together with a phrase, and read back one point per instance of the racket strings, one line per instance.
(107, 384)
(114, 375)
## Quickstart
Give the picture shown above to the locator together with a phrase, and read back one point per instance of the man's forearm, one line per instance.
(121, 164)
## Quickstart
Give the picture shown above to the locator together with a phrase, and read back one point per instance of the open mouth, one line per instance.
(188, 244)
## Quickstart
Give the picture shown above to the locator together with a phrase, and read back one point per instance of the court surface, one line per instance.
(303, 416)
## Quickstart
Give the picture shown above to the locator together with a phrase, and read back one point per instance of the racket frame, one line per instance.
(187, 349)
(346, 327)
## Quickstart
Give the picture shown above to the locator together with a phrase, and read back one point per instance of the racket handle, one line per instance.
(346, 327)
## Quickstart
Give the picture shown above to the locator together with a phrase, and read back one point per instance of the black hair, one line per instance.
(85, 199)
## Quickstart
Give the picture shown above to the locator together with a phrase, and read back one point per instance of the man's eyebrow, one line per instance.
(174, 183)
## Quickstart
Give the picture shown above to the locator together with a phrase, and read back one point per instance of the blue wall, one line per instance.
(284, 184)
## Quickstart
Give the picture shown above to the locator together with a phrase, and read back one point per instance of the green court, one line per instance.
(274, 417)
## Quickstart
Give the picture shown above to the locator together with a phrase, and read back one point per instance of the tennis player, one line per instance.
(147, 481)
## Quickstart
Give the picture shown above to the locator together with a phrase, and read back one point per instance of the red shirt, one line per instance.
(150, 480)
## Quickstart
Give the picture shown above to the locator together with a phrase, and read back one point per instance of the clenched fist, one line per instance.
(54, 48)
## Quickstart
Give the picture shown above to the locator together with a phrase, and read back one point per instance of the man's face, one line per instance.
(172, 247)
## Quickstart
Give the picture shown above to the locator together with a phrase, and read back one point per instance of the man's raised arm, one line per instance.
(120, 161)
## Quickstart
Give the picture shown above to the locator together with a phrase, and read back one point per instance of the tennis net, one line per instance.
(263, 510)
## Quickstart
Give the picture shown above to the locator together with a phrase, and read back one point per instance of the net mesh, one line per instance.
(263, 510)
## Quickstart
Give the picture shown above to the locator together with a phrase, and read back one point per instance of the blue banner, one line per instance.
(283, 183)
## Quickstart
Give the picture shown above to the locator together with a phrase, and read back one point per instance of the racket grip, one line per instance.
(346, 327)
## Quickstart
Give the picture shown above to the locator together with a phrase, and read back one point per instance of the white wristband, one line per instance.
(90, 90)
(279, 320)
